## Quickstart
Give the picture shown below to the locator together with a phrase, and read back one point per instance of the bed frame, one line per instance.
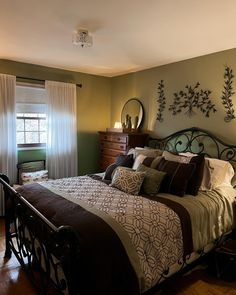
(46, 252)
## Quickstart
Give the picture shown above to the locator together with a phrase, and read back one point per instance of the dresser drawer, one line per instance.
(105, 137)
(110, 152)
(119, 138)
(113, 145)
(106, 161)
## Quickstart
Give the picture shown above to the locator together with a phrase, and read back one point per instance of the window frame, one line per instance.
(30, 145)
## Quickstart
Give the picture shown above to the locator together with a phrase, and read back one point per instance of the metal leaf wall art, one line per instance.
(192, 98)
(227, 94)
(161, 101)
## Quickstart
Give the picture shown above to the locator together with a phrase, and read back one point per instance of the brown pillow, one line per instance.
(148, 161)
(178, 175)
(121, 160)
(125, 160)
(196, 178)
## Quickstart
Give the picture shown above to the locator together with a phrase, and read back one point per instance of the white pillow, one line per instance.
(176, 158)
(221, 172)
(29, 177)
(139, 160)
(216, 172)
(149, 152)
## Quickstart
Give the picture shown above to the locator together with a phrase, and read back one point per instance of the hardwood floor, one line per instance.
(13, 280)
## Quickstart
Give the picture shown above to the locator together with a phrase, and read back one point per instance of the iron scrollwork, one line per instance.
(197, 141)
(48, 254)
(227, 93)
(192, 98)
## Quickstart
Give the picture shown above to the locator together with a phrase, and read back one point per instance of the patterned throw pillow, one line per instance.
(28, 177)
(128, 180)
(152, 180)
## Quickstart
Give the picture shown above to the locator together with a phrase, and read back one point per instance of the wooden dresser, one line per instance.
(113, 144)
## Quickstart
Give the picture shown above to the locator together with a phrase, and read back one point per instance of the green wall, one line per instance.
(100, 100)
(93, 109)
(208, 70)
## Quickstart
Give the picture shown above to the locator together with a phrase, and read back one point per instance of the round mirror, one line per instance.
(132, 114)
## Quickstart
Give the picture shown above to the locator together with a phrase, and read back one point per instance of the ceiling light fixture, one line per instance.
(82, 38)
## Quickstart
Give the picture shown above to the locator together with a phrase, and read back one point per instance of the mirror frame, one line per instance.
(142, 109)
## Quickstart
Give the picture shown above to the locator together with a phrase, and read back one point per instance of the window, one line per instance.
(31, 129)
(30, 117)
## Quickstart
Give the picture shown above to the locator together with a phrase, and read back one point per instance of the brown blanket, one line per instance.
(104, 267)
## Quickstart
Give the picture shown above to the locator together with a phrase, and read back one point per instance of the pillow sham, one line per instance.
(233, 180)
(139, 160)
(175, 157)
(152, 180)
(219, 172)
(29, 177)
(127, 180)
(148, 161)
(178, 175)
(121, 160)
(216, 172)
(196, 180)
(149, 152)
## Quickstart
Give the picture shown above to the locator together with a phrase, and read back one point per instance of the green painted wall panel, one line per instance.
(208, 70)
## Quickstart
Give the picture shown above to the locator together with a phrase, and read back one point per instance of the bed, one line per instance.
(85, 236)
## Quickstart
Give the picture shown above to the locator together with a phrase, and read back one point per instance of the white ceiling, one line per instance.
(128, 35)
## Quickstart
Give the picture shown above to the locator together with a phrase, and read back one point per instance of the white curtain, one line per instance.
(8, 147)
(61, 153)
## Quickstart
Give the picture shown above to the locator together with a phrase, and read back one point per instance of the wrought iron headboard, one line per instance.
(197, 141)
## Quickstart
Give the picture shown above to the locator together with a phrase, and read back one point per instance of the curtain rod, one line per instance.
(41, 80)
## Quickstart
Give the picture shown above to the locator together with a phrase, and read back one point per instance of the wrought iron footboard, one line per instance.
(47, 253)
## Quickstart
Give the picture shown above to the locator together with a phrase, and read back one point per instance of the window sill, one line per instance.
(31, 148)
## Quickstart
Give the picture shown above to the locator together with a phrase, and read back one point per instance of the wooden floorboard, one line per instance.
(13, 280)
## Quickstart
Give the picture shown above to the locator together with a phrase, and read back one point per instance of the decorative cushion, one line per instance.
(233, 180)
(128, 180)
(152, 180)
(125, 160)
(28, 177)
(196, 178)
(146, 151)
(148, 161)
(175, 157)
(109, 171)
(216, 172)
(139, 160)
(178, 175)
(121, 160)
